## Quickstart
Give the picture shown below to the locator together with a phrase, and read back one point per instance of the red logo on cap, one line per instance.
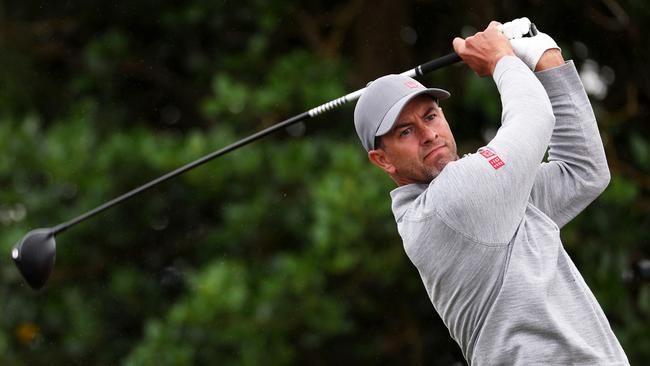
(413, 84)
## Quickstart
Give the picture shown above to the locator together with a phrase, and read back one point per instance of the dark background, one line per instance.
(284, 252)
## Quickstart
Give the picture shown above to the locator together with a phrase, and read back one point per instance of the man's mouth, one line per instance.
(433, 151)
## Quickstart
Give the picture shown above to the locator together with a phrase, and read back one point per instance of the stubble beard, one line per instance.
(426, 174)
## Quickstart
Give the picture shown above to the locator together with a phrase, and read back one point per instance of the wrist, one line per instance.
(550, 58)
(498, 58)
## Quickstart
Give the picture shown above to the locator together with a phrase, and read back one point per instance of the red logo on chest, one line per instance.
(492, 158)
(496, 162)
(486, 153)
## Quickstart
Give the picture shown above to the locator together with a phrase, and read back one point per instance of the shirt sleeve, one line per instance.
(485, 194)
(576, 171)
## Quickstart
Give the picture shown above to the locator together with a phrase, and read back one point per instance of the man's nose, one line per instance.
(428, 134)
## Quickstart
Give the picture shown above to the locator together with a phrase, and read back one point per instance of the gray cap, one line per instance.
(383, 101)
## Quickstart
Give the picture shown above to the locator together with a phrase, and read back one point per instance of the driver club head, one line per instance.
(34, 256)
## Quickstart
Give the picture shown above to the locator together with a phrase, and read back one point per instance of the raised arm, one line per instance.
(576, 172)
(577, 169)
(486, 193)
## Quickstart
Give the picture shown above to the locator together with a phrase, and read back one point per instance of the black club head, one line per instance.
(34, 256)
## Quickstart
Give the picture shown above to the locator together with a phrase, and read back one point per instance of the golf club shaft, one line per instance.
(417, 71)
(420, 70)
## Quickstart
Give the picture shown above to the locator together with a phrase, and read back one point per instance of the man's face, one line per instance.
(419, 145)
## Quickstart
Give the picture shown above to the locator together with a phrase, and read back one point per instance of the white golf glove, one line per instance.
(528, 49)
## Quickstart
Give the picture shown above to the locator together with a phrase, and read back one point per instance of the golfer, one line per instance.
(484, 230)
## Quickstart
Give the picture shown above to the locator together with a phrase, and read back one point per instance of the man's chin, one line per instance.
(430, 171)
(442, 163)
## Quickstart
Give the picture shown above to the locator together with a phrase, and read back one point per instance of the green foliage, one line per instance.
(288, 86)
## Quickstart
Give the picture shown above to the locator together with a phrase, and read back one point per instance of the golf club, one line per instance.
(35, 254)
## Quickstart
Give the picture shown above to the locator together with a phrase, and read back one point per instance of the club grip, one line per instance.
(453, 57)
(438, 63)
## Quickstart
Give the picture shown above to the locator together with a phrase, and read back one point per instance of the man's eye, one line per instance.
(430, 117)
(405, 132)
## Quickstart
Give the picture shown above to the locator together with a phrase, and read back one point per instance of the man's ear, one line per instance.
(380, 159)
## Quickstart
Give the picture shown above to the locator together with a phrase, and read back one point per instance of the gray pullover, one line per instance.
(484, 234)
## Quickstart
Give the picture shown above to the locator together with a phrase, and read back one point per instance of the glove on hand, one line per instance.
(528, 49)
(516, 28)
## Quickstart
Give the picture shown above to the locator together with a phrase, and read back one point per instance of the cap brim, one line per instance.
(391, 116)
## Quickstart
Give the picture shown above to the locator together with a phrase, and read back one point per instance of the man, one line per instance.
(483, 231)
